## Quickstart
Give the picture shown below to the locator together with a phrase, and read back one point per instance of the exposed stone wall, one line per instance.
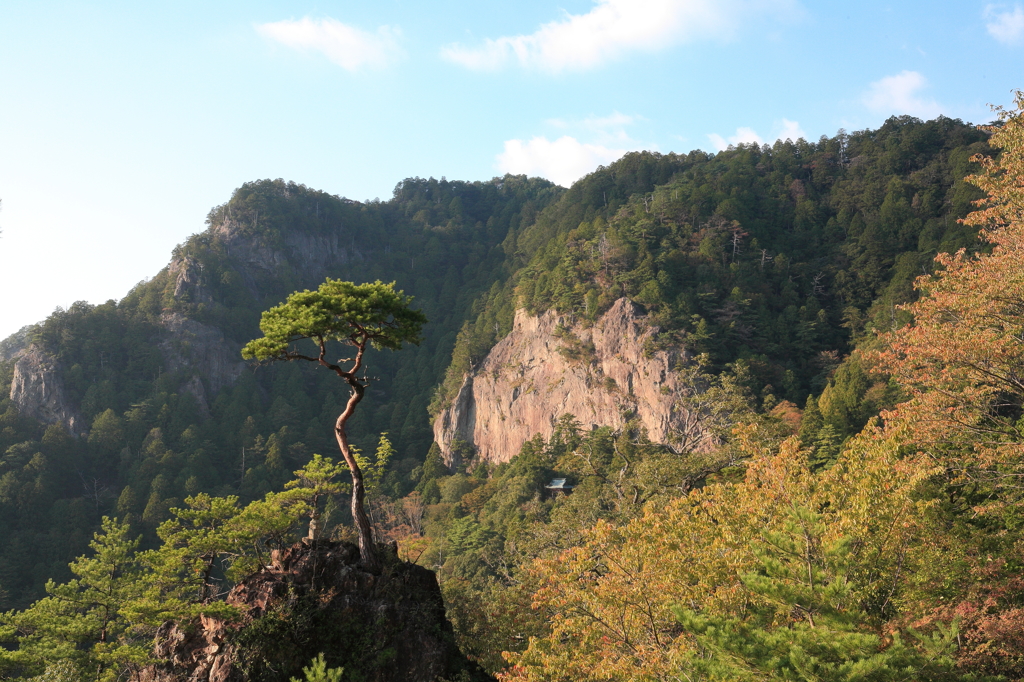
(38, 390)
(547, 367)
(202, 351)
(314, 254)
(381, 627)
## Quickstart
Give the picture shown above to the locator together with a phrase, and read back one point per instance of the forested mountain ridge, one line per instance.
(773, 257)
(776, 257)
(770, 254)
(156, 382)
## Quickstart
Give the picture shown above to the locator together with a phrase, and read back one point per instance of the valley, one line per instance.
(716, 351)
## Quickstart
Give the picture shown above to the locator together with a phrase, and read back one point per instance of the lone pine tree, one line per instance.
(356, 315)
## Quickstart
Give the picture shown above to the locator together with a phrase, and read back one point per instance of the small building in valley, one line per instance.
(559, 486)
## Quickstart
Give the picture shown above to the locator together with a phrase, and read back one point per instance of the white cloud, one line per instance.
(742, 136)
(786, 130)
(562, 161)
(791, 130)
(1005, 26)
(583, 41)
(898, 95)
(349, 47)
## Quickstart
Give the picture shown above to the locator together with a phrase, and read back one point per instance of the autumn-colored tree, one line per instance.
(358, 316)
(804, 620)
(610, 601)
(962, 359)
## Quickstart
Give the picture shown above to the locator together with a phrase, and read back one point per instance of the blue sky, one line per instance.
(123, 123)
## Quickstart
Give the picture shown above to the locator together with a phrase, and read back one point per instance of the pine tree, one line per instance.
(358, 317)
(83, 620)
(803, 621)
(319, 672)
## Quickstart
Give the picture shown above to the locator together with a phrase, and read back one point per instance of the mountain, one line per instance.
(128, 406)
(777, 259)
(769, 260)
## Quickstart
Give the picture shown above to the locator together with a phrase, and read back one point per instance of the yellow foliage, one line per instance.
(609, 601)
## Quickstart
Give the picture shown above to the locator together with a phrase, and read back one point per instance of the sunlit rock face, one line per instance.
(257, 255)
(200, 351)
(603, 374)
(38, 390)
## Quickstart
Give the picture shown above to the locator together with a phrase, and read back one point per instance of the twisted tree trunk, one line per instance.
(367, 552)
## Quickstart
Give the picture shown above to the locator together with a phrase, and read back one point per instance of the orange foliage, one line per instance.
(990, 615)
(610, 599)
(961, 362)
(962, 358)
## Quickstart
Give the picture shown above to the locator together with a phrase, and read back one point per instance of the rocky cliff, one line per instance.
(201, 351)
(387, 627)
(206, 360)
(38, 390)
(299, 249)
(604, 374)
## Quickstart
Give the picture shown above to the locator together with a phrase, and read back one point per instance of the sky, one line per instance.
(123, 123)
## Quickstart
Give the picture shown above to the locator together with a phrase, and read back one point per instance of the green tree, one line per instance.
(318, 479)
(84, 620)
(803, 621)
(319, 672)
(194, 540)
(376, 469)
(356, 315)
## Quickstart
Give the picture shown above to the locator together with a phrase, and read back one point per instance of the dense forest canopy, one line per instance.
(779, 256)
(788, 272)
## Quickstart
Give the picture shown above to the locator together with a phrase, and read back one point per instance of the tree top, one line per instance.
(341, 311)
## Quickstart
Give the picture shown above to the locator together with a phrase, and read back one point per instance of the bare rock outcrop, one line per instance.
(386, 627)
(603, 374)
(38, 390)
(202, 351)
(208, 360)
(315, 254)
(188, 280)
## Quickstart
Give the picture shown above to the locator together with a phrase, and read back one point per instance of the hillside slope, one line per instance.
(125, 408)
(774, 257)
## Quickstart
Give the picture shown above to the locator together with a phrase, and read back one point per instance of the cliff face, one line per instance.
(208, 362)
(203, 351)
(315, 255)
(257, 255)
(38, 391)
(387, 627)
(547, 367)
